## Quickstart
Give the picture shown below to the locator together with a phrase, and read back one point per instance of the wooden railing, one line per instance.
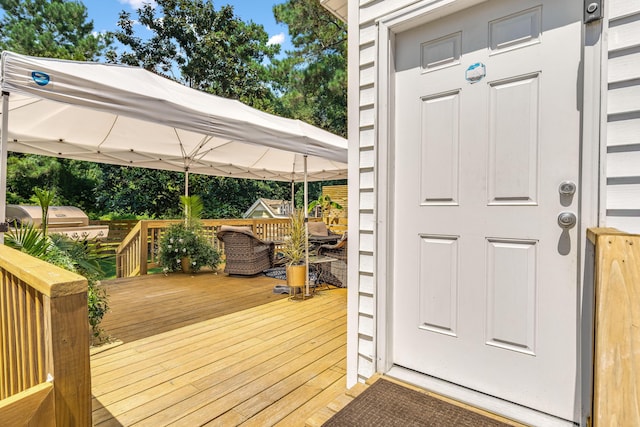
(616, 389)
(138, 252)
(44, 344)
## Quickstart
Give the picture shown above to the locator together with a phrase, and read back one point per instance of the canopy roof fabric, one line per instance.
(129, 116)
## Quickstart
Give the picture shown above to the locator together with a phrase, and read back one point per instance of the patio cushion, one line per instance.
(241, 228)
(318, 229)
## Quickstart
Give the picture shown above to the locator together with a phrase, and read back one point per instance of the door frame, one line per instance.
(592, 177)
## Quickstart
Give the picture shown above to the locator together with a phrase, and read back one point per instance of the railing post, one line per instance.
(68, 361)
(45, 336)
(616, 395)
(144, 247)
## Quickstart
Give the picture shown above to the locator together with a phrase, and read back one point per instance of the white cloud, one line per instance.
(276, 39)
(137, 4)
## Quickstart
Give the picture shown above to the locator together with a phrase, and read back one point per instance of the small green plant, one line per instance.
(27, 238)
(44, 198)
(326, 206)
(179, 242)
(193, 208)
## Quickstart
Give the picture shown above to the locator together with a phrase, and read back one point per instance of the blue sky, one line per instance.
(104, 14)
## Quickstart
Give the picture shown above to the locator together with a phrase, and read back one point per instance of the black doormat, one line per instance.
(387, 404)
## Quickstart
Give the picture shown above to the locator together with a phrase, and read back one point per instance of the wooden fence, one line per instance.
(616, 388)
(138, 252)
(44, 344)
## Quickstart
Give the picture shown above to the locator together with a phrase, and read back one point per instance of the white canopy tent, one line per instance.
(128, 116)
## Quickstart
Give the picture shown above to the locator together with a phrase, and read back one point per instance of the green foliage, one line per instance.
(136, 192)
(193, 208)
(74, 182)
(79, 256)
(27, 238)
(50, 28)
(83, 257)
(44, 198)
(114, 216)
(293, 247)
(24, 172)
(325, 204)
(139, 192)
(312, 80)
(179, 242)
(211, 50)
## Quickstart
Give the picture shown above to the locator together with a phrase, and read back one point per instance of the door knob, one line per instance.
(567, 220)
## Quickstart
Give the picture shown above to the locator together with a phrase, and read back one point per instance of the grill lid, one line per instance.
(59, 216)
(68, 220)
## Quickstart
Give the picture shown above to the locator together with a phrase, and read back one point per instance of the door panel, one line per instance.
(486, 129)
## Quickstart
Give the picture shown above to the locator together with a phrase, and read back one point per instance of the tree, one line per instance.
(203, 48)
(139, 192)
(312, 80)
(57, 29)
(50, 28)
(209, 50)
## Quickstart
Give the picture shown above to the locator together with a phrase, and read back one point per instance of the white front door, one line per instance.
(486, 131)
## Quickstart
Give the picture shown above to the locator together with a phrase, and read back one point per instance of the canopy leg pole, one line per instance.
(293, 195)
(186, 194)
(186, 182)
(4, 139)
(306, 226)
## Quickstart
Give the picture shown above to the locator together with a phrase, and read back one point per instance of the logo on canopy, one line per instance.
(41, 78)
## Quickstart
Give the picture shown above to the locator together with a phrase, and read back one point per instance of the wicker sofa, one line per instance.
(245, 253)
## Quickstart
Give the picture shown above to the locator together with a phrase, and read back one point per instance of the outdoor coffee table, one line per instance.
(316, 262)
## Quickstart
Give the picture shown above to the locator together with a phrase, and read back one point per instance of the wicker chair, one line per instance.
(334, 273)
(245, 254)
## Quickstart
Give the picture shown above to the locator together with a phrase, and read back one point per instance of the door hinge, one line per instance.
(593, 10)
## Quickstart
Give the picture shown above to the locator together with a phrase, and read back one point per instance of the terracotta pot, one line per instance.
(186, 264)
(296, 275)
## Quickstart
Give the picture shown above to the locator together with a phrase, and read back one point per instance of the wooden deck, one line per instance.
(208, 349)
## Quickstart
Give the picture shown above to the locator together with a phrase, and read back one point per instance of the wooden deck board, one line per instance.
(241, 355)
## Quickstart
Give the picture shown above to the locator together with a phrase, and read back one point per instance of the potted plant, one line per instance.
(184, 246)
(293, 250)
(326, 206)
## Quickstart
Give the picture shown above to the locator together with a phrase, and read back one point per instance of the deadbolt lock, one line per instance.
(567, 188)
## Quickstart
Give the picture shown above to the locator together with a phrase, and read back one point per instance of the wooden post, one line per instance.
(46, 307)
(144, 247)
(68, 363)
(616, 391)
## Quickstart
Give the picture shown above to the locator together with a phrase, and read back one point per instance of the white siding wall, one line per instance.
(366, 93)
(623, 116)
(367, 161)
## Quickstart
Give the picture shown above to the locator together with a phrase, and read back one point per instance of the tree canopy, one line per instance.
(204, 48)
(50, 28)
(311, 80)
